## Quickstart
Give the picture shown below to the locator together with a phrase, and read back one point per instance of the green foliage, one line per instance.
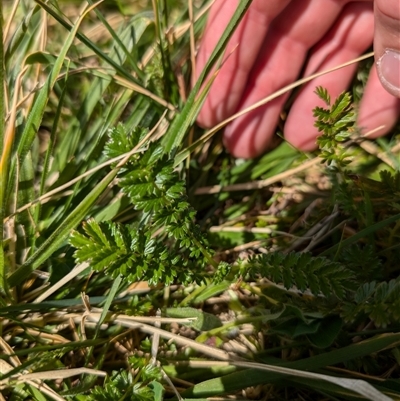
(136, 306)
(356, 257)
(130, 252)
(124, 385)
(223, 272)
(379, 301)
(303, 271)
(335, 122)
(142, 222)
(120, 142)
(203, 321)
(390, 182)
(166, 243)
(344, 197)
(320, 331)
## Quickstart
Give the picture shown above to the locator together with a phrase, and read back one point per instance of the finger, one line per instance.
(379, 110)
(343, 43)
(387, 44)
(242, 49)
(292, 34)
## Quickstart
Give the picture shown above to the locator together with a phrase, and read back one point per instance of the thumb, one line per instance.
(387, 44)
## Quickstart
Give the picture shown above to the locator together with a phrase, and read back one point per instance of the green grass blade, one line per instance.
(120, 43)
(2, 110)
(88, 43)
(70, 346)
(185, 119)
(2, 171)
(362, 234)
(35, 116)
(50, 147)
(84, 129)
(26, 192)
(353, 351)
(61, 233)
(110, 298)
(58, 304)
(253, 377)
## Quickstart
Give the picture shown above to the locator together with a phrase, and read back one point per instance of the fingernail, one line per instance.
(388, 67)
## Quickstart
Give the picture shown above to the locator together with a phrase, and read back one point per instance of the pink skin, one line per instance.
(282, 38)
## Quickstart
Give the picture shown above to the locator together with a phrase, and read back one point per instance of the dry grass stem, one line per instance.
(125, 157)
(258, 184)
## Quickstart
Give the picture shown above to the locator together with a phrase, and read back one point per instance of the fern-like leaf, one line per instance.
(335, 122)
(131, 253)
(120, 141)
(121, 385)
(167, 243)
(303, 271)
(378, 301)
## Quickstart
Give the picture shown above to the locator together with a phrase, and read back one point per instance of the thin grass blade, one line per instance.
(185, 119)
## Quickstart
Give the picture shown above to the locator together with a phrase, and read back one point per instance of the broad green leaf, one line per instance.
(158, 390)
(204, 321)
(209, 291)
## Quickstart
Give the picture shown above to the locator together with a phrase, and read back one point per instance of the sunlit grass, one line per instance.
(282, 272)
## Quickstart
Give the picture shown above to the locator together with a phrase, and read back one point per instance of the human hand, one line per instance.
(276, 40)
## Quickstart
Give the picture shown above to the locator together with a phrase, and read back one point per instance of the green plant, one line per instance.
(336, 124)
(303, 271)
(132, 254)
(165, 241)
(143, 386)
